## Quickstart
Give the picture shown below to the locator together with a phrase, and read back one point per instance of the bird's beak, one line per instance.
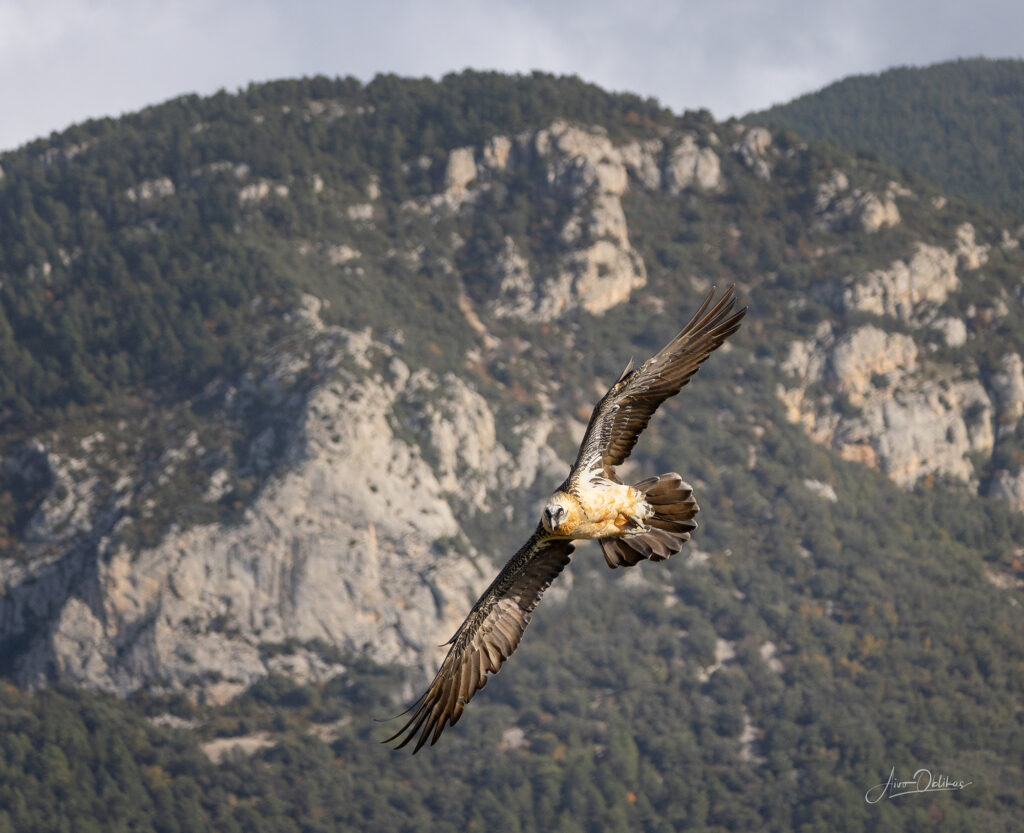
(553, 515)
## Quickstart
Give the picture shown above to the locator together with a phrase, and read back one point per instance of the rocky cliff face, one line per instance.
(879, 405)
(353, 547)
(598, 268)
(880, 398)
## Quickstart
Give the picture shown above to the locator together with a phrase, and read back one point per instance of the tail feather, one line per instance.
(668, 528)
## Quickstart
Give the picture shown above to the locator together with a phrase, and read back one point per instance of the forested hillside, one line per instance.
(285, 375)
(959, 124)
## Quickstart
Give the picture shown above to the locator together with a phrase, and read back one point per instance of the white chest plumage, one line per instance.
(601, 508)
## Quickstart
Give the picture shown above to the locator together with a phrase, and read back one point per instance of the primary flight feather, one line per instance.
(651, 519)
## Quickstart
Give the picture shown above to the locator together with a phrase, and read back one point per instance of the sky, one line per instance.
(63, 61)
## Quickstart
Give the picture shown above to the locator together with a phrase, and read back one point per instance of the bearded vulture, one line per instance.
(651, 520)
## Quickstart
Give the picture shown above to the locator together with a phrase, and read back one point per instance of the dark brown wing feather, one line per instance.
(487, 637)
(623, 412)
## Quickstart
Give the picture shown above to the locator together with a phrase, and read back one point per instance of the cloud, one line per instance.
(67, 60)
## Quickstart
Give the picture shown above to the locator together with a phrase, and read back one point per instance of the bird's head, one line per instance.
(561, 515)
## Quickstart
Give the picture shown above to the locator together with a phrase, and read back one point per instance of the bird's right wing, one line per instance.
(487, 637)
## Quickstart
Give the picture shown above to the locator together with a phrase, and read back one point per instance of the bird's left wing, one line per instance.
(487, 637)
(623, 412)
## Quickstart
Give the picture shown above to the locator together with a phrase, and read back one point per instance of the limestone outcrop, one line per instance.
(598, 268)
(752, 149)
(869, 395)
(461, 169)
(151, 189)
(353, 548)
(910, 290)
(691, 166)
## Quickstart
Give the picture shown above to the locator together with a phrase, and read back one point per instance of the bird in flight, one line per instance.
(651, 520)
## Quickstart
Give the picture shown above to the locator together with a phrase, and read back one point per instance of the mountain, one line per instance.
(957, 124)
(287, 373)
